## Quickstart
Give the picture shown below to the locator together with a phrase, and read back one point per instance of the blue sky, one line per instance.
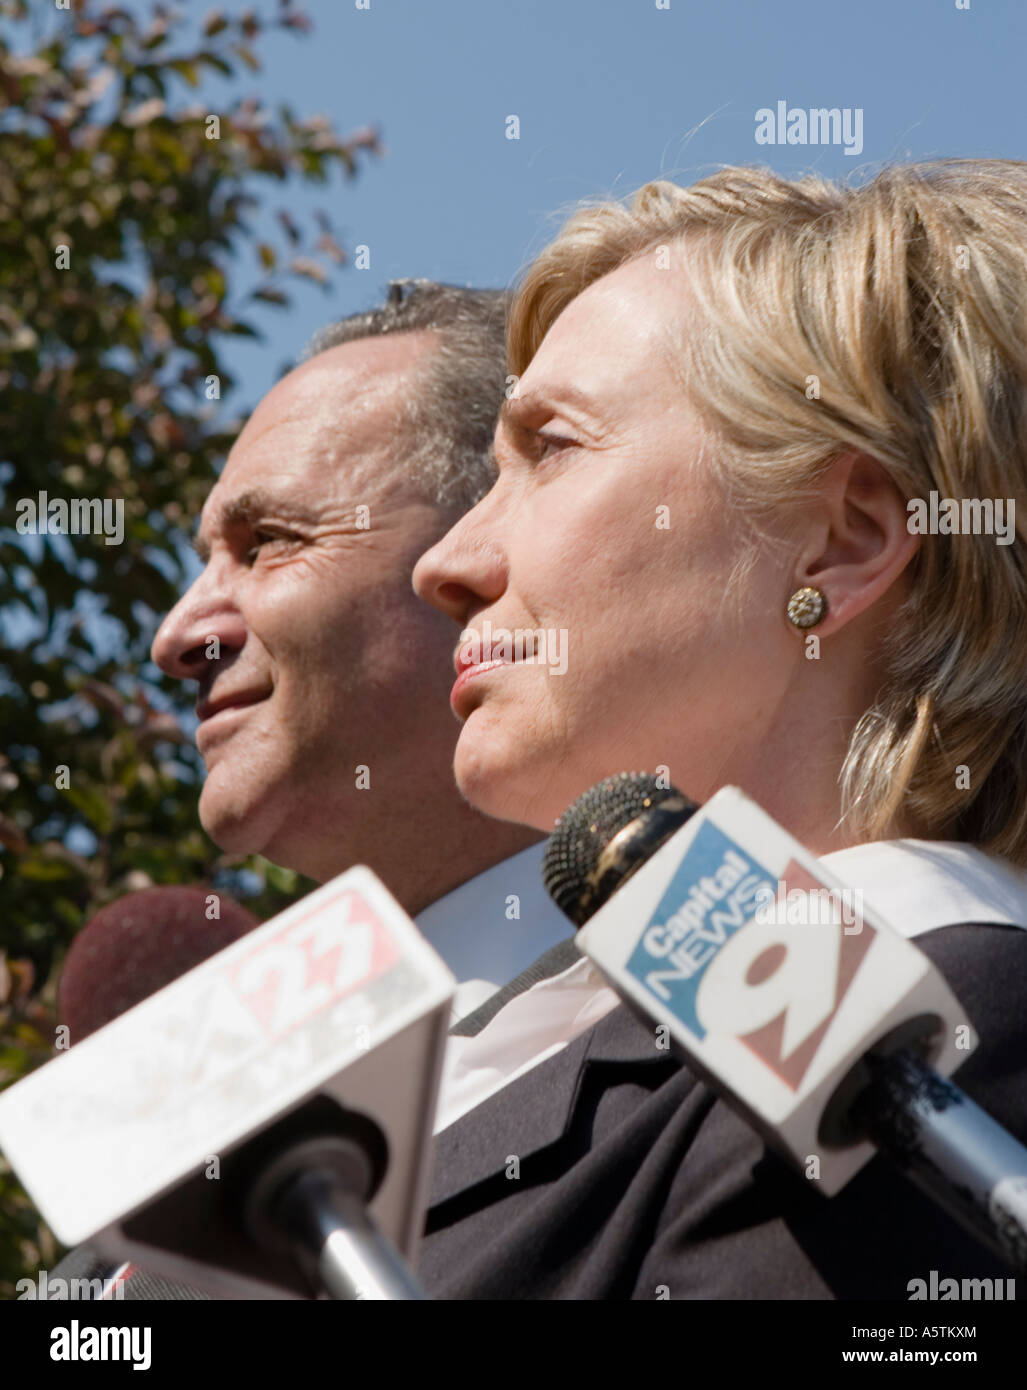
(609, 94)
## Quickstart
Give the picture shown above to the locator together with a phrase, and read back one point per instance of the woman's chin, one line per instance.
(497, 782)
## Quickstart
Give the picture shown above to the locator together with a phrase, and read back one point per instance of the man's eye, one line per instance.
(260, 539)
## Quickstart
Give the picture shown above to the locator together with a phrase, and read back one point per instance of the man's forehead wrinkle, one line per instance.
(328, 416)
(330, 387)
(329, 435)
(315, 430)
(310, 465)
(333, 384)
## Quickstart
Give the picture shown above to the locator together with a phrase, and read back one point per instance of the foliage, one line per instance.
(112, 385)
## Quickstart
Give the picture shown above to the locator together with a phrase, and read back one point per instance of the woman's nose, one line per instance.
(461, 573)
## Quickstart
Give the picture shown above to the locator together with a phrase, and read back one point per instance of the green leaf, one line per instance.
(92, 802)
(214, 60)
(267, 295)
(186, 69)
(41, 870)
(243, 51)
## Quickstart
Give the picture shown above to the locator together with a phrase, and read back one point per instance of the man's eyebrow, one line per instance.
(243, 509)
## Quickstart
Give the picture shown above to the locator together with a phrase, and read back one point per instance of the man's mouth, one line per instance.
(223, 710)
(206, 709)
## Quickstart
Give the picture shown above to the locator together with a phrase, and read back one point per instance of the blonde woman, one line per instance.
(764, 468)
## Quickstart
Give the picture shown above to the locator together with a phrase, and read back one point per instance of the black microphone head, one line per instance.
(605, 836)
(136, 945)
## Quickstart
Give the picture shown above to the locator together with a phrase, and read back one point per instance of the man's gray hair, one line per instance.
(452, 409)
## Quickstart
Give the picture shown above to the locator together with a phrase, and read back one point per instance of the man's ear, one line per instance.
(860, 543)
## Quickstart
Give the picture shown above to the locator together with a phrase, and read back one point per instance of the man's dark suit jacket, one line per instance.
(610, 1172)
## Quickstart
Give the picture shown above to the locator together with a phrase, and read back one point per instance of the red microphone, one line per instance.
(139, 943)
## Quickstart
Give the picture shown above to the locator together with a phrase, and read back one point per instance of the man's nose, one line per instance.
(204, 626)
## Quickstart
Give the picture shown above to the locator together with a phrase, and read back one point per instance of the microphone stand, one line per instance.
(949, 1147)
(310, 1198)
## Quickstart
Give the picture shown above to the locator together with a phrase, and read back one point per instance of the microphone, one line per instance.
(137, 944)
(261, 1126)
(832, 1039)
(134, 946)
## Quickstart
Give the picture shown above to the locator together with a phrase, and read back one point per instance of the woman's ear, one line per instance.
(860, 543)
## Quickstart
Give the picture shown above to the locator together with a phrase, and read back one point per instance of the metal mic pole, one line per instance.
(950, 1148)
(310, 1198)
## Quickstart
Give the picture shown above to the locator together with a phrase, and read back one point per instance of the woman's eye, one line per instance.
(549, 445)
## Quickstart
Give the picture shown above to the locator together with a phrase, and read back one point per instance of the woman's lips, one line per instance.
(466, 676)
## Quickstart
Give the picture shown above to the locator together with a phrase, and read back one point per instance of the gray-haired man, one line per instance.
(324, 718)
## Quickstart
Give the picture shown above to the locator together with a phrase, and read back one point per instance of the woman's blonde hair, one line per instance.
(890, 319)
